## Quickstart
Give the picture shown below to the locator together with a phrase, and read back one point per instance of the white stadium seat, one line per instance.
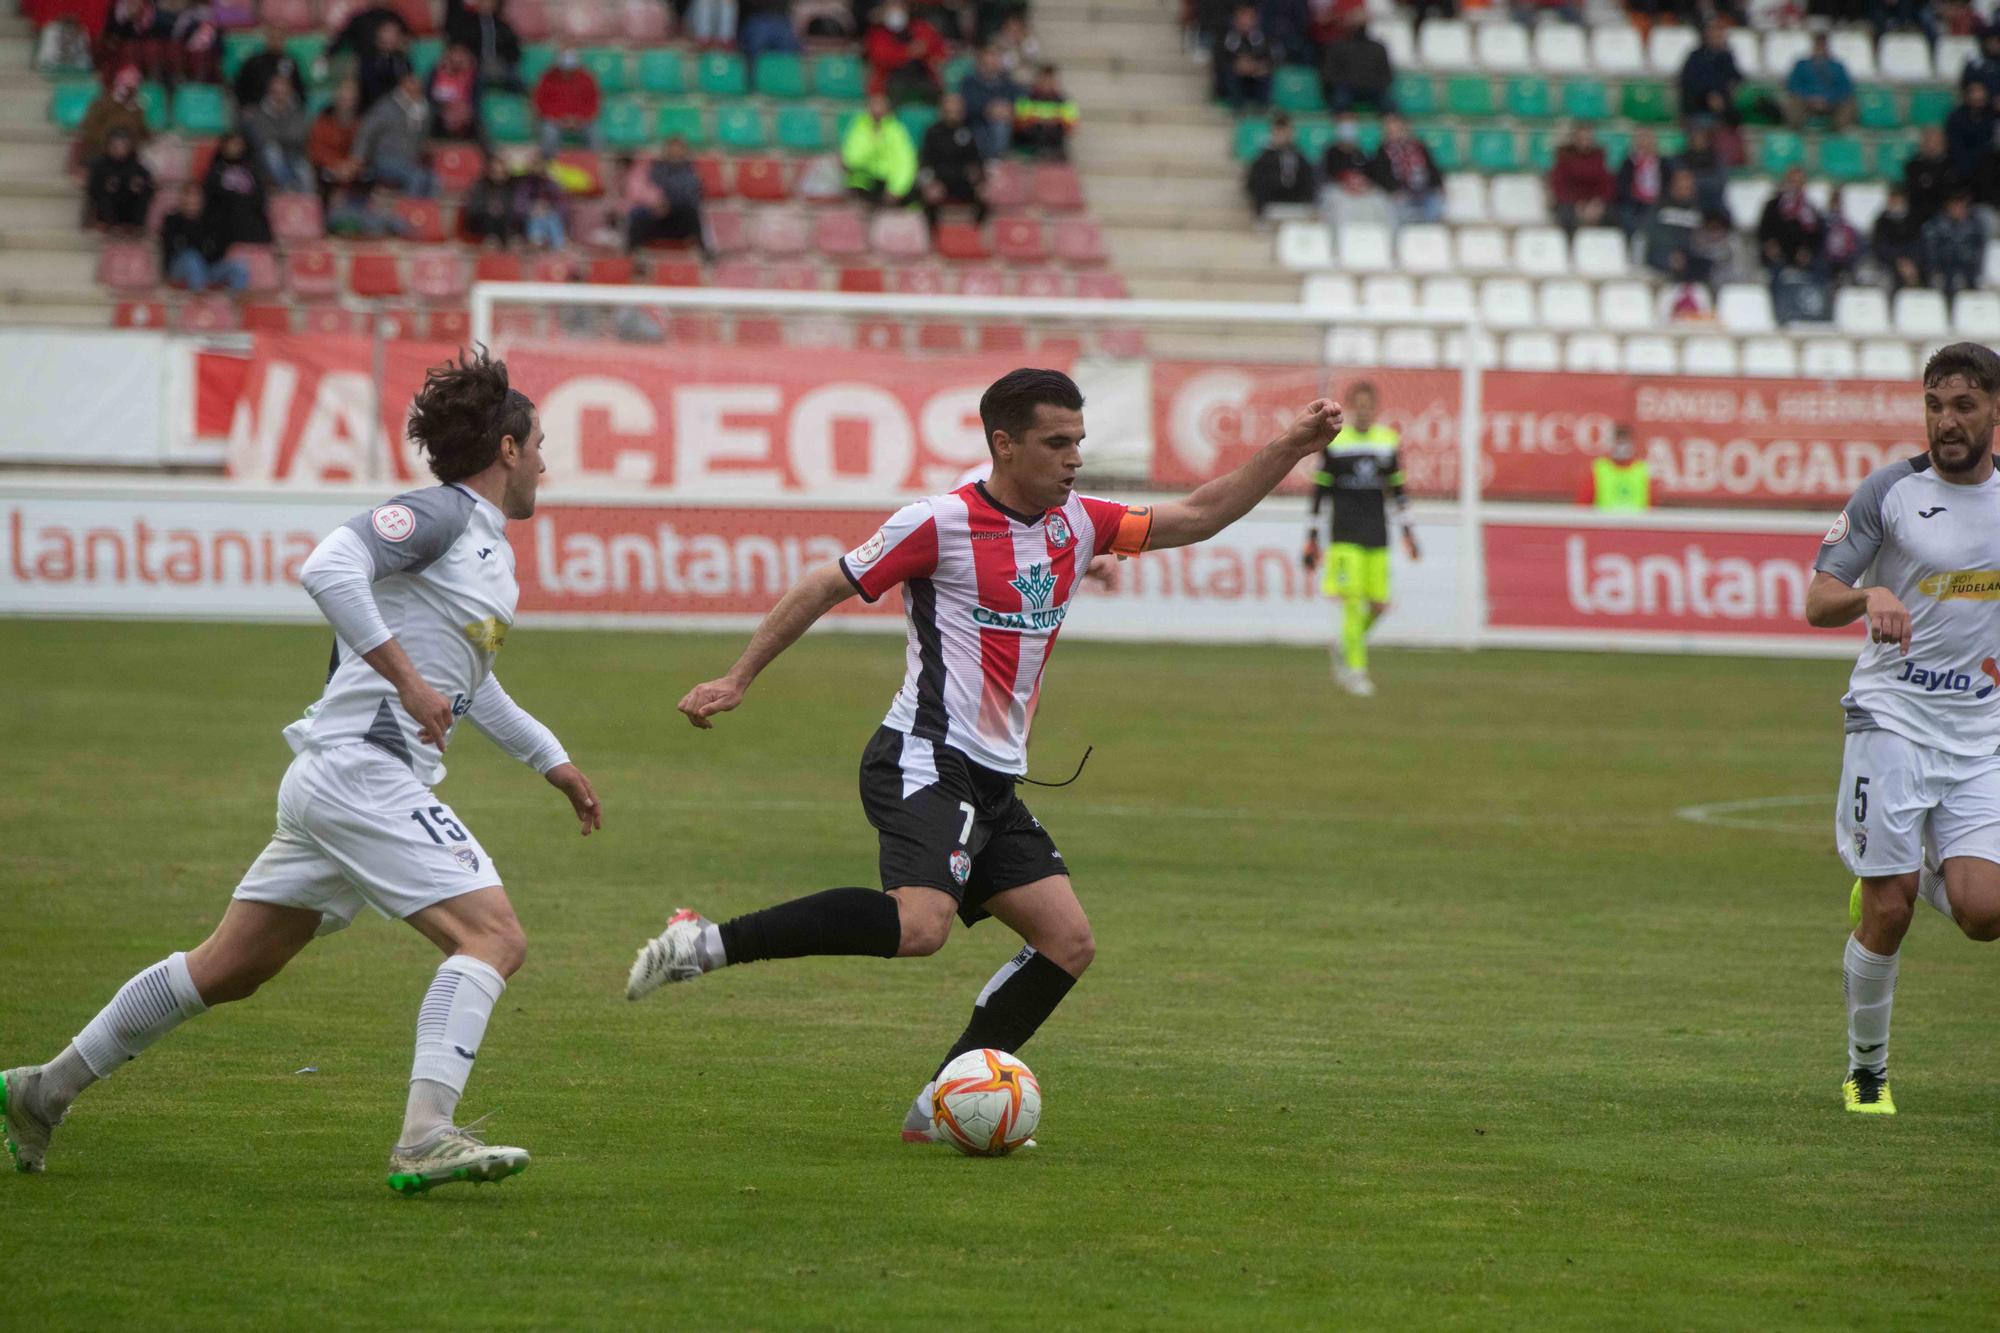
(1918, 312)
(1541, 252)
(1976, 315)
(1952, 55)
(1783, 48)
(1530, 351)
(1483, 349)
(1449, 297)
(1990, 274)
(1591, 352)
(1667, 49)
(1567, 304)
(1560, 49)
(1827, 358)
(1444, 44)
(1424, 248)
(1390, 295)
(1332, 292)
(1305, 246)
(1600, 252)
(1745, 307)
(1395, 33)
(1856, 50)
(1748, 48)
(1617, 51)
(1353, 347)
(1650, 355)
(1465, 198)
(1507, 303)
(1883, 359)
(1625, 307)
(1710, 354)
(1413, 349)
(1503, 48)
(1481, 250)
(1364, 248)
(1770, 357)
(1745, 200)
(1905, 57)
(1519, 200)
(1860, 311)
(1862, 203)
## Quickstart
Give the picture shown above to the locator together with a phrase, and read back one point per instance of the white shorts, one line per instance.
(1897, 795)
(355, 826)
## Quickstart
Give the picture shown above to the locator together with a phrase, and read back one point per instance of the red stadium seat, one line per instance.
(759, 331)
(609, 269)
(312, 270)
(1006, 185)
(326, 321)
(290, 15)
(417, 13)
(584, 20)
(778, 233)
(840, 234)
(961, 241)
(821, 333)
(529, 18)
(677, 273)
(765, 179)
(1057, 188)
(1079, 242)
(492, 267)
(395, 325)
(128, 267)
(517, 322)
(457, 166)
(981, 282)
(1059, 345)
(862, 280)
(334, 14)
(899, 235)
(644, 22)
(448, 326)
(879, 335)
(267, 318)
(200, 154)
(1101, 287)
(1126, 342)
(727, 231)
(1002, 338)
(1018, 241)
(374, 274)
(139, 315)
(439, 277)
(296, 217)
(919, 280)
(937, 337)
(207, 314)
(790, 278)
(551, 268)
(424, 219)
(700, 330)
(714, 179)
(1041, 283)
(262, 266)
(736, 273)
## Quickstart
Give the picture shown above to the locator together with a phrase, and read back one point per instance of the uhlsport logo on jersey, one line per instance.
(1059, 533)
(1963, 585)
(1950, 682)
(961, 866)
(1036, 584)
(467, 858)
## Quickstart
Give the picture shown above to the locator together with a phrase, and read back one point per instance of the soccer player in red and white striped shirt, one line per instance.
(988, 572)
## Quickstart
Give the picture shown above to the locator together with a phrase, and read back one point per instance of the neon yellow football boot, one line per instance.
(1867, 1092)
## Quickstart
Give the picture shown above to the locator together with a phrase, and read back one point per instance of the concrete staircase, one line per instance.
(48, 264)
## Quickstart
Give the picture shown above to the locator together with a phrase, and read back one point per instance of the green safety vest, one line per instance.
(1622, 488)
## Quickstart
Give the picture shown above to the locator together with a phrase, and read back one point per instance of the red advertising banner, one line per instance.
(1656, 579)
(1757, 442)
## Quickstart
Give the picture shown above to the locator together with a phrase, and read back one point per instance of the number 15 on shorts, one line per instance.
(437, 819)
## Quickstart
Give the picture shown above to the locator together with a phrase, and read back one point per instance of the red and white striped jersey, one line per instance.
(986, 593)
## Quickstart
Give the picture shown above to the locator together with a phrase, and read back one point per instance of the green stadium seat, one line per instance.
(1528, 98)
(720, 74)
(1672, 142)
(153, 97)
(1842, 157)
(678, 120)
(1252, 133)
(607, 64)
(1370, 136)
(308, 48)
(780, 74)
(1470, 96)
(1891, 154)
(1416, 95)
(625, 122)
(68, 102)
(1444, 145)
(801, 129)
(238, 47)
(661, 73)
(741, 128)
(1758, 104)
(1294, 89)
(1876, 108)
(201, 109)
(1780, 151)
(1540, 153)
(506, 118)
(1929, 106)
(1586, 99)
(425, 52)
(1313, 136)
(839, 77)
(1492, 151)
(916, 118)
(955, 71)
(535, 61)
(1648, 103)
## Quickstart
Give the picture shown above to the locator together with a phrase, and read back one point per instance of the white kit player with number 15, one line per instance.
(1917, 553)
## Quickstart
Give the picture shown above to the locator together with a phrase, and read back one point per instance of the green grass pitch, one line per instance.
(1424, 1011)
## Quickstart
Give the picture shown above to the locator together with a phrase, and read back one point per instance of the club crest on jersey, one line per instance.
(1836, 533)
(961, 866)
(1861, 844)
(466, 857)
(1059, 534)
(869, 551)
(393, 523)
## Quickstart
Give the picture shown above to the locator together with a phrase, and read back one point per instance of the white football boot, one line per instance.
(675, 955)
(453, 1155)
(918, 1126)
(25, 1124)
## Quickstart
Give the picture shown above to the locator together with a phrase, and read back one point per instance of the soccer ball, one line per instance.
(987, 1103)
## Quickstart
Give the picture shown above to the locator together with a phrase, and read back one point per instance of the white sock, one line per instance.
(64, 1077)
(449, 1029)
(1930, 887)
(712, 954)
(145, 1009)
(927, 1099)
(1871, 991)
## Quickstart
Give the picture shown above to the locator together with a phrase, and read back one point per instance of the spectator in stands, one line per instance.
(134, 34)
(1525, 12)
(881, 161)
(477, 26)
(1928, 179)
(232, 192)
(116, 108)
(1709, 78)
(539, 200)
(1954, 246)
(384, 66)
(453, 92)
(1581, 186)
(194, 42)
(270, 63)
(1711, 173)
(1355, 72)
(1843, 247)
(330, 146)
(1791, 233)
(394, 141)
(710, 22)
(1671, 230)
(488, 215)
(1819, 88)
(118, 191)
(665, 198)
(1717, 250)
(1019, 51)
(1405, 170)
(765, 28)
(1897, 241)
(1288, 23)
(1244, 59)
(280, 132)
(1985, 67)
(1280, 174)
(361, 34)
(955, 20)
(1348, 192)
(1641, 180)
(904, 55)
(365, 213)
(990, 93)
(949, 167)
(193, 249)
(1044, 117)
(567, 100)
(1968, 131)
(1344, 155)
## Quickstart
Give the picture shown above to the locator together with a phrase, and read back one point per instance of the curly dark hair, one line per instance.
(465, 408)
(1977, 363)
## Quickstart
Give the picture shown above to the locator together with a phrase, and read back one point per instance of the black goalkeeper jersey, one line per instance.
(1358, 473)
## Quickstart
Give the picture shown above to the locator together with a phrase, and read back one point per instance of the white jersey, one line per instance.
(442, 575)
(1936, 545)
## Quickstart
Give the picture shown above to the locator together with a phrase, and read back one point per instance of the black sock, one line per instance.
(1010, 1011)
(836, 921)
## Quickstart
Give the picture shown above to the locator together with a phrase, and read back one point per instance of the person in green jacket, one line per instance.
(880, 158)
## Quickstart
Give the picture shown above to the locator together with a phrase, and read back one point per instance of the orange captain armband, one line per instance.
(1134, 529)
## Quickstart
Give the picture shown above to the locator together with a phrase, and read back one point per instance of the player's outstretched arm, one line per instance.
(518, 732)
(1831, 603)
(811, 597)
(1214, 506)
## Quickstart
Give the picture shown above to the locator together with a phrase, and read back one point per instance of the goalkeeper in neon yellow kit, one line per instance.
(1359, 474)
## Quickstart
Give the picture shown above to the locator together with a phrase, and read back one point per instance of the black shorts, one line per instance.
(961, 829)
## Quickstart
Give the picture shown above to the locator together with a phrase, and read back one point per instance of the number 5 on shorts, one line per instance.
(1861, 800)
